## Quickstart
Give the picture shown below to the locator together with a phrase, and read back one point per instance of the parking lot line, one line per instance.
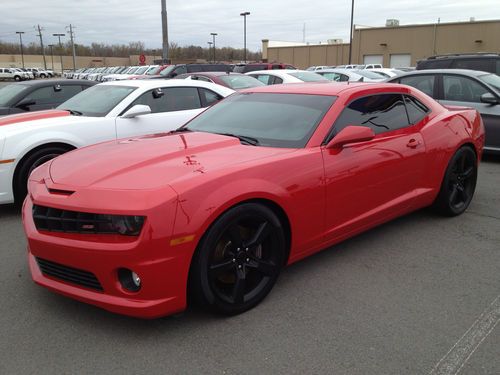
(459, 354)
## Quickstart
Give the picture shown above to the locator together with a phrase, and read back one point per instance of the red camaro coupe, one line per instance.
(215, 209)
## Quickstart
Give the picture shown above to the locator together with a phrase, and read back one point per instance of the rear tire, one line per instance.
(17, 78)
(42, 75)
(459, 183)
(24, 169)
(238, 259)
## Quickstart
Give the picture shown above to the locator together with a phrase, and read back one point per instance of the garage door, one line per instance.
(400, 60)
(373, 59)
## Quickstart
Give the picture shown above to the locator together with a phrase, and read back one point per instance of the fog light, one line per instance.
(129, 280)
(136, 279)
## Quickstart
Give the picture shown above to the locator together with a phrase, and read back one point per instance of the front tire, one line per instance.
(459, 183)
(37, 158)
(42, 75)
(238, 260)
(17, 78)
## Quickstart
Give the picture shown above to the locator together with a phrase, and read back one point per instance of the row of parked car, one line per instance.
(23, 74)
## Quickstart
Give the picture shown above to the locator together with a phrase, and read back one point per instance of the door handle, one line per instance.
(412, 143)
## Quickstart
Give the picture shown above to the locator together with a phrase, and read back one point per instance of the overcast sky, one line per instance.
(191, 22)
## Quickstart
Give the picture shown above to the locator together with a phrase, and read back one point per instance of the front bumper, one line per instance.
(163, 269)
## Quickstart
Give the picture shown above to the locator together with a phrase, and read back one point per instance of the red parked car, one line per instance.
(260, 180)
(235, 81)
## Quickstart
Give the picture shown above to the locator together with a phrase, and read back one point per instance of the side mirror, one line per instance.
(351, 134)
(158, 93)
(137, 110)
(489, 98)
(26, 102)
(57, 88)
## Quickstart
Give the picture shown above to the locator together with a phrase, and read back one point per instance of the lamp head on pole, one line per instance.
(245, 14)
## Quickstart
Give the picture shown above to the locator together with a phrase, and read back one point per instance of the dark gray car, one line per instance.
(468, 88)
(39, 95)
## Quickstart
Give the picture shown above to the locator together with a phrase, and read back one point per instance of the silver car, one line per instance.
(467, 88)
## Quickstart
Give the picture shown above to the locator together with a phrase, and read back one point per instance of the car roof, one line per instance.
(52, 82)
(156, 83)
(323, 88)
(213, 74)
(465, 72)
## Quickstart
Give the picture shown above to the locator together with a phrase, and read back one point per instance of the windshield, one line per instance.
(237, 82)
(8, 92)
(154, 71)
(273, 120)
(97, 101)
(167, 70)
(492, 80)
(308, 76)
(141, 70)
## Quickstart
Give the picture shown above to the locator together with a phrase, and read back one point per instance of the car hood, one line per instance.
(32, 116)
(154, 161)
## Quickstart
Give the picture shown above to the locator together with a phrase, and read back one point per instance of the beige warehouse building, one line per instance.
(393, 45)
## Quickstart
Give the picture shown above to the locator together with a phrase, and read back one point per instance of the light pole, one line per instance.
(350, 32)
(245, 14)
(21, 44)
(60, 49)
(164, 32)
(213, 35)
(209, 49)
(52, 54)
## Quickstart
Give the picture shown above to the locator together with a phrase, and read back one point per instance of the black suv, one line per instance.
(175, 70)
(486, 62)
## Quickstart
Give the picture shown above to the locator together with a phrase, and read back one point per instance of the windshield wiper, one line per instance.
(73, 112)
(243, 138)
(179, 130)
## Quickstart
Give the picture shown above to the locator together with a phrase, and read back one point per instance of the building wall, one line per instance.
(420, 41)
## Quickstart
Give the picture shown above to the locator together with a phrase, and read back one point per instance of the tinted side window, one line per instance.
(157, 104)
(462, 89)
(264, 78)
(182, 98)
(486, 65)
(424, 83)
(382, 113)
(67, 92)
(208, 97)
(416, 110)
(498, 68)
(43, 95)
(435, 64)
(276, 80)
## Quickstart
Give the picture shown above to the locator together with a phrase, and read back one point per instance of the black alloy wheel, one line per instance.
(239, 259)
(459, 183)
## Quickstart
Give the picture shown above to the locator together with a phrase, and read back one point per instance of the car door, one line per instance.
(370, 182)
(465, 91)
(171, 107)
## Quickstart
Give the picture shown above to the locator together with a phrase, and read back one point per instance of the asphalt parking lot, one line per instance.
(419, 295)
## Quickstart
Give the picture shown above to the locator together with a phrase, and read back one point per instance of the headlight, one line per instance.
(127, 225)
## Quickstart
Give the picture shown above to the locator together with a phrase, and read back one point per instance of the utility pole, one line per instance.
(164, 28)
(51, 54)
(245, 14)
(213, 35)
(41, 44)
(60, 50)
(71, 35)
(209, 50)
(351, 31)
(21, 43)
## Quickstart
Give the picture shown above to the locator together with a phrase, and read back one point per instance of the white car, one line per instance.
(350, 75)
(103, 112)
(278, 76)
(387, 72)
(11, 73)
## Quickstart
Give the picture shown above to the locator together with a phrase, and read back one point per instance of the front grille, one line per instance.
(55, 220)
(69, 274)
